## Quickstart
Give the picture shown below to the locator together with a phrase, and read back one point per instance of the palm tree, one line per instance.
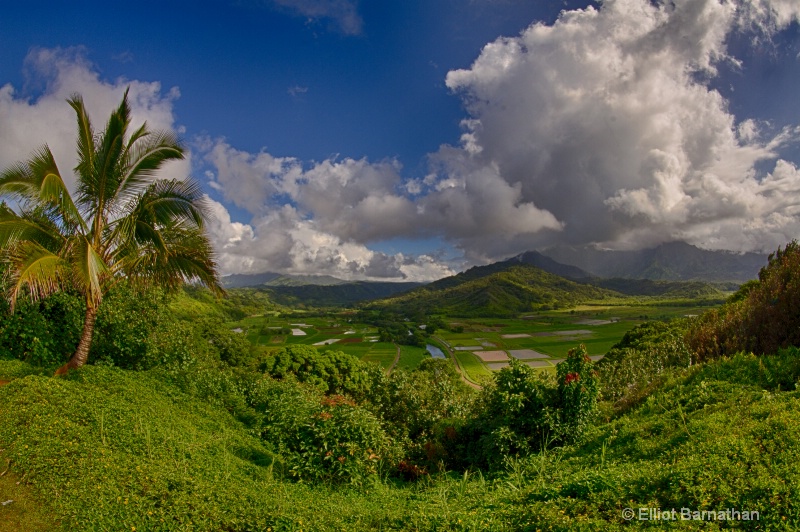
(123, 223)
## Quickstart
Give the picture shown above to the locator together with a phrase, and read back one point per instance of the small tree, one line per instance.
(578, 388)
(762, 317)
(123, 222)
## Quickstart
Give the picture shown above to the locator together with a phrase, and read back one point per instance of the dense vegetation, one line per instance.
(181, 424)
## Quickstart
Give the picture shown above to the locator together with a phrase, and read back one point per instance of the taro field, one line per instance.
(327, 333)
(477, 346)
(542, 340)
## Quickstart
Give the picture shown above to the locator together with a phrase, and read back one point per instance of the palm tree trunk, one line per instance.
(81, 354)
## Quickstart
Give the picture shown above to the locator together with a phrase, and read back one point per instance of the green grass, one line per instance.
(382, 353)
(411, 357)
(476, 371)
(116, 450)
(25, 512)
(108, 449)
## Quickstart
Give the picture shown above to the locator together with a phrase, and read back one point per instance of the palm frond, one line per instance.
(86, 146)
(89, 270)
(16, 182)
(145, 158)
(187, 256)
(34, 226)
(36, 269)
(52, 189)
(167, 202)
(140, 133)
(97, 189)
(37, 183)
(134, 232)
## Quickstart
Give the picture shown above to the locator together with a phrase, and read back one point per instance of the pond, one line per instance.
(435, 351)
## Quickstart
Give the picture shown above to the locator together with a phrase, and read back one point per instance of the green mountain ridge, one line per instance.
(336, 295)
(495, 290)
(674, 270)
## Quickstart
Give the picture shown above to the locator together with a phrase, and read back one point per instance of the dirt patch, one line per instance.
(573, 333)
(3, 383)
(527, 354)
(538, 363)
(492, 356)
(520, 335)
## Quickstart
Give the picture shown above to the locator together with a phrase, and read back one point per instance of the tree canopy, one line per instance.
(121, 223)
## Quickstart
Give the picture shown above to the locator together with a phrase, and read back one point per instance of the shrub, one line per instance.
(125, 323)
(43, 333)
(578, 390)
(333, 372)
(323, 438)
(411, 404)
(643, 354)
(230, 347)
(762, 317)
(515, 416)
(523, 412)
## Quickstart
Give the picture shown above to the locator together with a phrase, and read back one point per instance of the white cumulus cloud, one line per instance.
(281, 240)
(26, 123)
(604, 120)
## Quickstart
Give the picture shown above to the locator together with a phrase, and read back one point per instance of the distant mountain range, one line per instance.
(316, 290)
(555, 277)
(674, 261)
(246, 280)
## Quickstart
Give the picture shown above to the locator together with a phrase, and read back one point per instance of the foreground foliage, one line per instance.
(142, 454)
(762, 317)
(182, 425)
(122, 222)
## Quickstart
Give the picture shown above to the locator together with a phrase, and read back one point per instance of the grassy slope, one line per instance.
(709, 440)
(121, 450)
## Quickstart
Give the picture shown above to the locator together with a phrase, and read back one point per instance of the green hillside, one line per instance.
(180, 424)
(122, 450)
(498, 290)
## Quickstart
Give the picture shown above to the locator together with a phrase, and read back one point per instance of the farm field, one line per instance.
(480, 346)
(542, 340)
(327, 333)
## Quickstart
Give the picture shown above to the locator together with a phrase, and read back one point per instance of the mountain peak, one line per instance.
(671, 261)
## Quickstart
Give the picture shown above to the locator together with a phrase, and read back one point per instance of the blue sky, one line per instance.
(410, 139)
